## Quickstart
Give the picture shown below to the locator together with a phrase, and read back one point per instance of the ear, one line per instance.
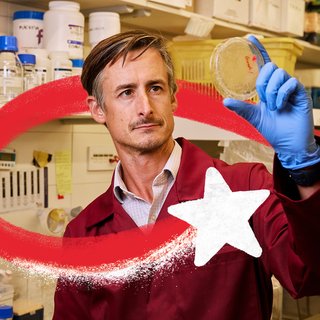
(96, 110)
(174, 103)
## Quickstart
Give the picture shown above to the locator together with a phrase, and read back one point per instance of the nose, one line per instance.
(144, 104)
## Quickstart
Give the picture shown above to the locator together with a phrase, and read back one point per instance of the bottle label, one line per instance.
(10, 83)
(60, 73)
(41, 75)
(29, 33)
(30, 83)
(10, 88)
(75, 40)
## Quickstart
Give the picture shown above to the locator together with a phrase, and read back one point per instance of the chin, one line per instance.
(150, 144)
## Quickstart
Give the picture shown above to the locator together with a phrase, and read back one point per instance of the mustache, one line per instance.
(142, 121)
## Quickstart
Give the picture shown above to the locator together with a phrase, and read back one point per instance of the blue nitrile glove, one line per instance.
(283, 115)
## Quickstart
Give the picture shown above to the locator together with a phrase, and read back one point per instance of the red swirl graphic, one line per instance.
(65, 97)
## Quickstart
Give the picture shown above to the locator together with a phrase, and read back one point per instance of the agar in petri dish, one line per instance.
(234, 67)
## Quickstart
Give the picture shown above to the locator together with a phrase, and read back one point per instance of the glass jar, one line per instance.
(11, 72)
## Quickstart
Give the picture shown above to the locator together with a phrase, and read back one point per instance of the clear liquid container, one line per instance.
(11, 72)
(6, 312)
(43, 65)
(77, 65)
(28, 62)
(61, 65)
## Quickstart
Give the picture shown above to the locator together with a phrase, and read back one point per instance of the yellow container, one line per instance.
(191, 59)
(283, 52)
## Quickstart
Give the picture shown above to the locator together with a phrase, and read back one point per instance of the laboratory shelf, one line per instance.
(172, 21)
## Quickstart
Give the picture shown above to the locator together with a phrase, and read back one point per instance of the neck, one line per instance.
(139, 170)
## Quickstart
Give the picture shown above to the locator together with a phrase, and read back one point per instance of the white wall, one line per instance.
(53, 137)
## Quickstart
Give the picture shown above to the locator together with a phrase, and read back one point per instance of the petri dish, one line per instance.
(234, 67)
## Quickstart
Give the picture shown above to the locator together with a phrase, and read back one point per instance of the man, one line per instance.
(130, 81)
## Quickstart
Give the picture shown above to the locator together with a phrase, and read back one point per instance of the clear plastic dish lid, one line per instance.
(234, 67)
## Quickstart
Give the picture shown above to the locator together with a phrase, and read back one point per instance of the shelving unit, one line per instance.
(172, 21)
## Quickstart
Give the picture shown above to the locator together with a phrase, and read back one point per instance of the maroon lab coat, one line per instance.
(232, 285)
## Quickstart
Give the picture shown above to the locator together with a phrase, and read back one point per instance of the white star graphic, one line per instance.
(221, 217)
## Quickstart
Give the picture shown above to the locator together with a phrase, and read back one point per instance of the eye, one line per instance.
(155, 89)
(126, 93)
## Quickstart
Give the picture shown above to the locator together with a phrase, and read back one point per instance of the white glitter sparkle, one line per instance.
(161, 259)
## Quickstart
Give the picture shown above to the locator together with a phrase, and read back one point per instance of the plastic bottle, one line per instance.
(28, 62)
(6, 312)
(28, 28)
(61, 65)
(43, 65)
(77, 67)
(64, 28)
(11, 73)
(103, 25)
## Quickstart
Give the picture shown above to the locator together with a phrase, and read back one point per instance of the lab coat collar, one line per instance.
(193, 166)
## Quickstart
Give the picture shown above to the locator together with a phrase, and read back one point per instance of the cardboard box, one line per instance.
(312, 22)
(292, 17)
(6, 294)
(230, 10)
(265, 14)
(27, 310)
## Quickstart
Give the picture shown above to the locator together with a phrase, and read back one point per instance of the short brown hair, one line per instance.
(111, 49)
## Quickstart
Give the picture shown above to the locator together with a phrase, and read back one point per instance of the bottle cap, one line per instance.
(64, 5)
(104, 14)
(38, 15)
(27, 58)
(6, 311)
(77, 63)
(234, 67)
(8, 43)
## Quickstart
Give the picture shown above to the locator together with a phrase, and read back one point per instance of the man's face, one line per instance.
(138, 103)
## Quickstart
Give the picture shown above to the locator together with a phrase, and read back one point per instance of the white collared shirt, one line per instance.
(141, 211)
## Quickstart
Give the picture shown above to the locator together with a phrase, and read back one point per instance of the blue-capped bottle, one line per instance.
(77, 65)
(6, 312)
(28, 62)
(11, 73)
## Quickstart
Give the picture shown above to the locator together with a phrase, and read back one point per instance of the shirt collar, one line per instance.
(172, 166)
(191, 157)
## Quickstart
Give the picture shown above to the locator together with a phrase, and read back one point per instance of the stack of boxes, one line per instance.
(285, 16)
(312, 22)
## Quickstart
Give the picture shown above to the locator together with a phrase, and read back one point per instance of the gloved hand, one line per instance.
(283, 115)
